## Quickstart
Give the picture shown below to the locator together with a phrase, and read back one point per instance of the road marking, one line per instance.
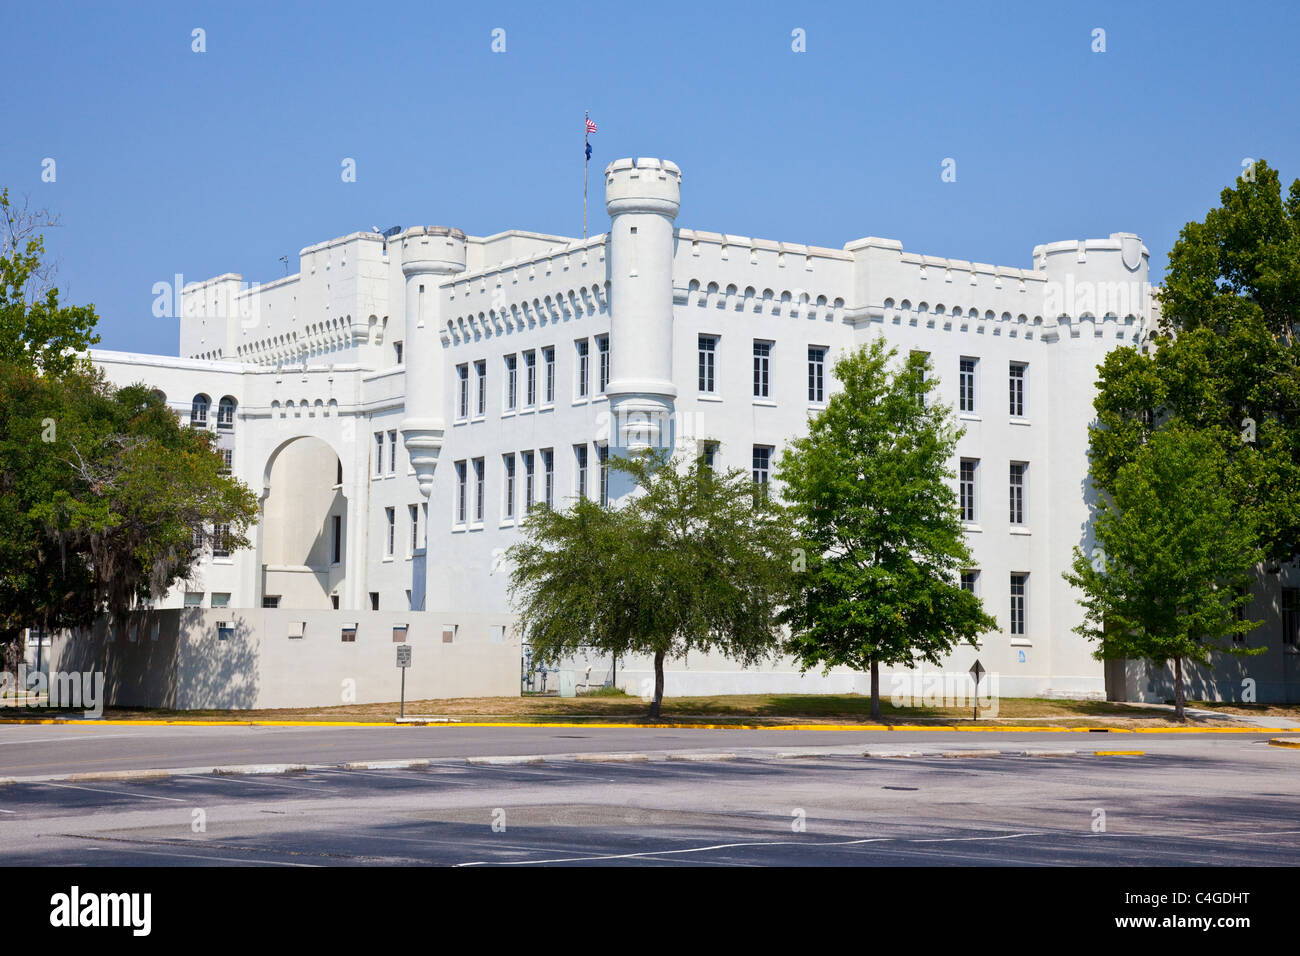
(268, 783)
(657, 853)
(116, 793)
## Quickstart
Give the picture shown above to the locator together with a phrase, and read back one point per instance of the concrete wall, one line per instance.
(175, 659)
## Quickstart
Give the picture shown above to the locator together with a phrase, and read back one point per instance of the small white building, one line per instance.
(402, 401)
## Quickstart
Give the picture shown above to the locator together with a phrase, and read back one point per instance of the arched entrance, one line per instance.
(304, 526)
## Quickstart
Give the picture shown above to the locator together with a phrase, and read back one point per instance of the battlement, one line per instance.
(643, 185)
(436, 249)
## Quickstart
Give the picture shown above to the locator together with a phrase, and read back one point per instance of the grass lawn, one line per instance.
(766, 709)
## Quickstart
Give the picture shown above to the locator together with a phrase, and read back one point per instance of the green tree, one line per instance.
(1226, 358)
(690, 563)
(35, 329)
(869, 492)
(1176, 551)
(105, 497)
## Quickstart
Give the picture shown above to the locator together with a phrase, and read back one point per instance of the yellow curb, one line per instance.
(1119, 753)
(899, 728)
(1283, 743)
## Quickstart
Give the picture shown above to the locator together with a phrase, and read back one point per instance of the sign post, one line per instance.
(403, 662)
(977, 671)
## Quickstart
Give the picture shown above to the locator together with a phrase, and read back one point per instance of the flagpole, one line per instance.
(586, 161)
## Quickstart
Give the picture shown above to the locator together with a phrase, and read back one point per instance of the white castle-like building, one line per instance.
(403, 400)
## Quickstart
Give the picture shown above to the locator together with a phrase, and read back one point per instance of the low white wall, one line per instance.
(176, 659)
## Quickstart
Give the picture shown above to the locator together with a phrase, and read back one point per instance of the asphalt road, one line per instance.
(45, 749)
(1190, 800)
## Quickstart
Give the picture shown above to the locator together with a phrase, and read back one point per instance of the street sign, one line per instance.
(403, 662)
(977, 671)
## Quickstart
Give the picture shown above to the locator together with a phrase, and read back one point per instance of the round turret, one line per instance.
(643, 185)
(432, 249)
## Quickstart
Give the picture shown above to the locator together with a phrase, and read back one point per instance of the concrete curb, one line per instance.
(701, 758)
(970, 753)
(1048, 753)
(611, 758)
(891, 754)
(121, 775)
(253, 770)
(384, 765)
(504, 761)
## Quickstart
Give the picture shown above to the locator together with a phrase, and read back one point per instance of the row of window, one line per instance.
(414, 540)
(537, 381)
(529, 472)
(200, 406)
(382, 459)
(968, 392)
(707, 379)
(1019, 593)
(968, 490)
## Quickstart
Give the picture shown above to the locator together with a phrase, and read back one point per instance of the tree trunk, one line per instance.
(875, 690)
(657, 704)
(1178, 690)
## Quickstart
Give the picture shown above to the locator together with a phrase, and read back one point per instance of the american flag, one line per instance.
(591, 127)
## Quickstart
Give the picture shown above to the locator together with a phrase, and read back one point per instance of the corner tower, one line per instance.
(642, 197)
(429, 255)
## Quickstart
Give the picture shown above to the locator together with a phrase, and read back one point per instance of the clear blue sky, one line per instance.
(172, 161)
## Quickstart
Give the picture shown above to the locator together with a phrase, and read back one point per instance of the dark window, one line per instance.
(816, 375)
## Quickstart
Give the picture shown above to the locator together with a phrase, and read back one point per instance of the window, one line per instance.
(221, 599)
(966, 384)
(379, 453)
(194, 599)
(478, 489)
(462, 404)
(348, 634)
(392, 453)
(1017, 385)
(762, 369)
(548, 360)
(710, 455)
(374, 600)
(1019, 583)
(510, 486)
(970, 581)
(414, 512)
(529, 476)
(336, 539)
(227, 460)
(1243, 596)
(708, 363)
(273, 601)
(221, 541)
(1291, 616)
(512, 381)
(602, 347)
(966, 488)
(397, 353)
(226, 415)
(480, 372)
(584, 360)
(762, 466)
(334, 601)
(580, 456)
(1018, 469)
(924, 358)
(460, 492)
(548, 479)
(390, 517)
(530, 378)
(424, 523)
(199, 411)
(816, 374)
(602, 455)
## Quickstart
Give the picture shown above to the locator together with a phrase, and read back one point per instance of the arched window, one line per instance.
(226, 415)
(199, 411)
